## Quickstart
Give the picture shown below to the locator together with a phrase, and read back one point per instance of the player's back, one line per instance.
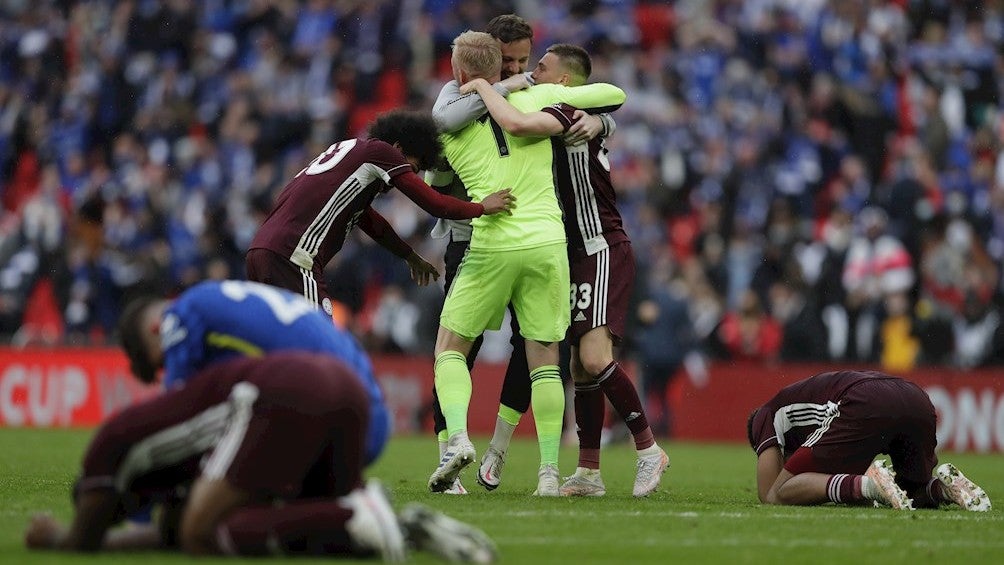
(486, 159)
(150, 447)
(318, 207)
(582, 176)
(799, 409)
(824, 387)
(221, 320)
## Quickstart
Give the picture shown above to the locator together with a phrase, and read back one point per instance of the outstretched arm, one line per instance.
(443, 206)
(514, 121)
(95, 513)
(45, 532)
(594, 97)
(453, 110)
(378, 228)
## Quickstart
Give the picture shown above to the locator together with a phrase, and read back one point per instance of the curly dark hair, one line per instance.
(415, 132)
(130, 332)
(508, 28)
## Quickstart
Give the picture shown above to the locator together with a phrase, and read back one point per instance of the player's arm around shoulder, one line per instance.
(454, 109)
(512, 119)
(595, 97)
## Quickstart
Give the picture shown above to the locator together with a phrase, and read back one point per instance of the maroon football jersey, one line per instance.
(801, 409)
(588, 199)
(322, 203)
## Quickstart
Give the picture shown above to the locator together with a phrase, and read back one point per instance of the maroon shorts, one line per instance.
(268, 267)
(890, 416)
(601, 289)
(303, 438)
(289, 424)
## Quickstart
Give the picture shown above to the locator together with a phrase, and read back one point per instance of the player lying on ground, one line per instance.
(251, 457)
(816, 440)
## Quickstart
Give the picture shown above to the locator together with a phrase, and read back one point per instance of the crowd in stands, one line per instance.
(802, 179)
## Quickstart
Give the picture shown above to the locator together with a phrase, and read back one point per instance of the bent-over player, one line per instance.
(816, 440)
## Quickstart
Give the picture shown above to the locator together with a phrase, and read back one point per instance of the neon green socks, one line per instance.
(453, 385)
(547, 398)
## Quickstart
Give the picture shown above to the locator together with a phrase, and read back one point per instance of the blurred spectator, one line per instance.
(899, 346)
(394, 323)
(664, 339)
(90, 309)
(749, 333)
(979, 334)
(957, 296)
(803, 334)
(877, 266)
(754, 133)
(822, 265)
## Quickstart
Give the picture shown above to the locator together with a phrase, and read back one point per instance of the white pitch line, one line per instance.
(878, 514)
(670, 542)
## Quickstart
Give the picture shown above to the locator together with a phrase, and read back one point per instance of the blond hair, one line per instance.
(478, 54)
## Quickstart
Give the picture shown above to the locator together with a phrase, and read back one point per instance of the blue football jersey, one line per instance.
(217, 320)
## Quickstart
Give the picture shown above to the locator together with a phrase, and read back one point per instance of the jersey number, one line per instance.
(334, 153)
(286, 308)
(582, 295)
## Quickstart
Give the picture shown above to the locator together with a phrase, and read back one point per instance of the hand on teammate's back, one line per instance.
(499, 201)
(585, 128)
(422, 272)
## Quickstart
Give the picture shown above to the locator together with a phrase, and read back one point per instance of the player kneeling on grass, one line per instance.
(816, 440)
(254, 456)
(219, 320)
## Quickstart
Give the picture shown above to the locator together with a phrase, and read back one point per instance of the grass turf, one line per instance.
(705, 511)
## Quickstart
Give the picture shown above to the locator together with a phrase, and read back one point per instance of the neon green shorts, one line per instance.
(535, 280)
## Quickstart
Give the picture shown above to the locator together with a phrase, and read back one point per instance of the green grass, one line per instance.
(705, 512)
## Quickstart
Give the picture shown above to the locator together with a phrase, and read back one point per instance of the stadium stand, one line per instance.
(763, 143)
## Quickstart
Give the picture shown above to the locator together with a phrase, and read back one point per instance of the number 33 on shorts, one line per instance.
(581, 296)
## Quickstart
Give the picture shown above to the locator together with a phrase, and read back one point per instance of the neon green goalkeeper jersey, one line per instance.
(488, 159)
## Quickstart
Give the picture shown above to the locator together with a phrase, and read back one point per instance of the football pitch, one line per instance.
(705, 511)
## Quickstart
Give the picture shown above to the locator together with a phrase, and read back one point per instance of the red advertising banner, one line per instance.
(407, 384)
(970, 404)
(81, 387)
(64, 387)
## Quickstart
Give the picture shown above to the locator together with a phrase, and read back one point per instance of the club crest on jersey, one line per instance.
(326, 306)
(171, 331)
